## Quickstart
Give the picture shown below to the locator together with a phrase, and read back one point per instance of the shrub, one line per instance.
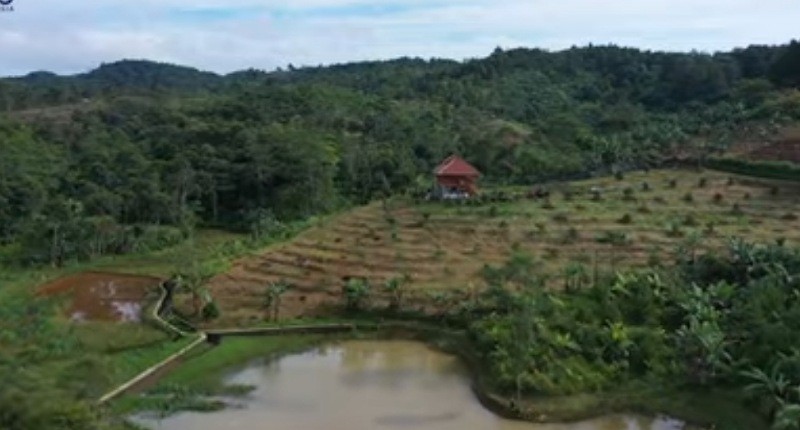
(674, 230)
(702, 182)
(643, 209)
(210, 311)
(547, 204)
(673, 183)
(789, 216)
(153, 238)
(493, 211)
(731, 181)
(774, 191)
(618, 175)
(625, 219)
(688, 198)
(355, 293)
(717, 198)
(737, 209)
(627, 194)
(612, 237)
(710, 228)
(764, 169)
(567, 195)
(570, 235)
(690, 221)
(597, 195)
(747, 196)
(645, 186)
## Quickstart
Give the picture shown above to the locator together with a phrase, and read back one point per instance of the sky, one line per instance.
(226, 35)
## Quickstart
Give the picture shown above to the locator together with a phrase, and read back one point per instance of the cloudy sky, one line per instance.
(226, 35)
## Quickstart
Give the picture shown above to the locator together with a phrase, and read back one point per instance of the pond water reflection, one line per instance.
(360, 385)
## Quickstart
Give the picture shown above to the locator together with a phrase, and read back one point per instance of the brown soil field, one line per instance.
(441, 249)
(98, 296)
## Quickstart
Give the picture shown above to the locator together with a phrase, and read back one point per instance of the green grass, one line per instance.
(711, 409)
(204, 368)
(202, 373)
(127, 364)
(212, 247)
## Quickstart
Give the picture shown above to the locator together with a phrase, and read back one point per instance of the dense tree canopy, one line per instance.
(136, 144)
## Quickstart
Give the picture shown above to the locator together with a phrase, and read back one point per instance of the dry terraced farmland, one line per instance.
(600, 225)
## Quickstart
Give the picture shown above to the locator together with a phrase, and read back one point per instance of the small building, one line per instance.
(455, 179)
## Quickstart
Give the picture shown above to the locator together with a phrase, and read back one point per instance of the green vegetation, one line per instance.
(187, 387)
(54, 370)
(727, 322)
(158, 149)
(765, 169)
(158, 169)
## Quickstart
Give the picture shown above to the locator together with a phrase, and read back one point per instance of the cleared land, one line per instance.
(439, 248)
(103, 296)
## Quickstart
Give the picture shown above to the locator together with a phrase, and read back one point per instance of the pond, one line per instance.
(361, 385)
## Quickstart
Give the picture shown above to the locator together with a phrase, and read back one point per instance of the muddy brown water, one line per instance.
(99, 296)
(361, 385)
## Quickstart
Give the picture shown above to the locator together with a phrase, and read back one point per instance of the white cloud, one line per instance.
(79, 34)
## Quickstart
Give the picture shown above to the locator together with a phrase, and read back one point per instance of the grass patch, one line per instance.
(204, 369)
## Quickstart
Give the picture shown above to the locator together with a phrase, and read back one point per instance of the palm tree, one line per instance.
(771, 388)
(787, 417)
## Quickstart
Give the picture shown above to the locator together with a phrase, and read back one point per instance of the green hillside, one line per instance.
(614, 283)
(137, 143)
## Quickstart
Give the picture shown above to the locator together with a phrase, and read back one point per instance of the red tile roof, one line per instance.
(455, 166)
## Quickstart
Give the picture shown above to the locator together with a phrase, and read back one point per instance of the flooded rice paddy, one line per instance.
(100, 296)
(360, 385)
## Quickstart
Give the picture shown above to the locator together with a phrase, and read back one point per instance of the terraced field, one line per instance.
(600, 225)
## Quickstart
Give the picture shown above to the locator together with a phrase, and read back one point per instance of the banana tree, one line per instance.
(273, 298)
(355, 294)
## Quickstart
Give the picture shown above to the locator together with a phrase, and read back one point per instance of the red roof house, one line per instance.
(455, 177)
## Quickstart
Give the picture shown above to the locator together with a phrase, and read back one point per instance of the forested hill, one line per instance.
(135, 144)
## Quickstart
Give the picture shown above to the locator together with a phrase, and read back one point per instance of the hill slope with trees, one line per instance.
(132, 154)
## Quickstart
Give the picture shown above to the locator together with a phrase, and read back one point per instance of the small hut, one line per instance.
(455, 179)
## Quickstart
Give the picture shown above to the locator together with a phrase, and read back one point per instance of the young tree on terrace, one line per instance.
(273, 298)
(355, 294)
(394, 287)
